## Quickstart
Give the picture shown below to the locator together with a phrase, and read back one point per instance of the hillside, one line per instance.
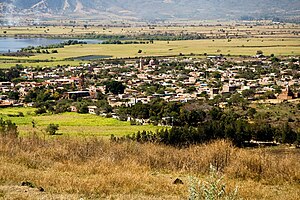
(155, 9)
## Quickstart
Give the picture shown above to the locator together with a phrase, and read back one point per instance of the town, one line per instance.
(126, 83)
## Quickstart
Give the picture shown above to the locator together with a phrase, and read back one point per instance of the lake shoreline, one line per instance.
(15, 44)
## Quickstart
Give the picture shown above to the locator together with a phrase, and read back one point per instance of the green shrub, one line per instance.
(211, 189)
(52, 128)
(7, 128)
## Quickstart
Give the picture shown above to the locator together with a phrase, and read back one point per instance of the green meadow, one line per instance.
(71, 124)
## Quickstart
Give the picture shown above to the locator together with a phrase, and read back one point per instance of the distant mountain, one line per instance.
(156, 9)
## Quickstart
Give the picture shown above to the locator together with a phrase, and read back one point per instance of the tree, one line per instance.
(287, 134)
(140, 111)
(248, 93)
(263, 132)
(13, 95)
(12, 73)
(269, 95)
(82, 107)
(275, 59)
(52, 128)
(191, 89)
(40, 110)
(237, 100)
(251, 112)
(216, 75)
(114, 87)
(259, 52)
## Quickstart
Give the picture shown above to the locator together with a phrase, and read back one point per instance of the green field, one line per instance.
(277, 46)
(71, 124)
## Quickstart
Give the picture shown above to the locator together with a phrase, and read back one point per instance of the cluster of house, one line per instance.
(195, 79)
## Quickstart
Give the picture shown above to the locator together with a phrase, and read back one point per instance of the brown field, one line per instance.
(210, 30)
(97, 169)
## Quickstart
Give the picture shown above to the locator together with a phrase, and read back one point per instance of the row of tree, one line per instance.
(197, 123)
(145, 36)
(127, 42)
(240, 132)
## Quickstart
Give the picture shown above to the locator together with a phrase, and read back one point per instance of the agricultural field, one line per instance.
(71, 124)
(4, 64)
(233, 47)
(260, 29)
(241, 39)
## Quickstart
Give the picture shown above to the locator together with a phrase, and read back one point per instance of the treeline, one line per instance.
(127, 42)
(145, 36)
(237, 130)
(194, 123)
(44, 49)
(18, 54)
(159, 111)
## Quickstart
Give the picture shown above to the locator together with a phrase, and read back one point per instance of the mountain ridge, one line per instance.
(157, 9)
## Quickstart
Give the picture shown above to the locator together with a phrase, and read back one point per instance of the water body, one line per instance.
(15, 44)
(91, 57)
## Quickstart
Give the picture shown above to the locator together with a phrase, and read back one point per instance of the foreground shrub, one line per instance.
(213, 188)
(8, 129)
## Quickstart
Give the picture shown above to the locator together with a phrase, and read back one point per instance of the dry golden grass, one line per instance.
(93, 168)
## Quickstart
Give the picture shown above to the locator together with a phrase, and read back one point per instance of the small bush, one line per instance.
(52, 129)
(8, 129)
(40, 111)
(20, 114)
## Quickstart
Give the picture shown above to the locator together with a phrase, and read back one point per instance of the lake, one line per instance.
(15, 44)
(91, 57)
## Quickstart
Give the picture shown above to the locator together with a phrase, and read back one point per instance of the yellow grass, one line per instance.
(277, 46)
(97, 169)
